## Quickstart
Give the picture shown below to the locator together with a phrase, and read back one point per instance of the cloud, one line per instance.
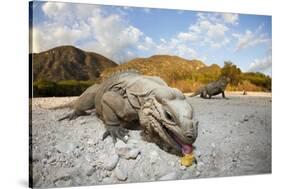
(88, 27)
(209, 29)
(174, 46)
(263, 65)
(92, 28)
(250, 39)
(230, 18)
(187, 36)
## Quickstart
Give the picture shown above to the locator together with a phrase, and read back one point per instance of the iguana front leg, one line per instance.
(223, 95)
(115, 110)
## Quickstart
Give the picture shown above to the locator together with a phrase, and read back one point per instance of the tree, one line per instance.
(232, 71)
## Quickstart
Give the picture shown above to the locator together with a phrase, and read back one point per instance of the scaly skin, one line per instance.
(161, 111)
(213, 88)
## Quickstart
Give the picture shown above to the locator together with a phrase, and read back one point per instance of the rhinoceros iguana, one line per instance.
(161, 111)
(213, 88)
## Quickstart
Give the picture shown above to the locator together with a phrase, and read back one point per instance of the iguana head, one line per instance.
(167, 113)
(225, 79)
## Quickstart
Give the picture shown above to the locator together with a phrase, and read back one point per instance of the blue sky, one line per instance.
(123, 33)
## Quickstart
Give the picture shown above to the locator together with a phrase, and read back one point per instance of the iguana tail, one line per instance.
(199, 91)
(67, 105)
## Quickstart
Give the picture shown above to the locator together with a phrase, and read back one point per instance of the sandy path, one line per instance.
(234, 139)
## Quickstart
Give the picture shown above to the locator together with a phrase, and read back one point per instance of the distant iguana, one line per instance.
(213, 88)
(161, 111)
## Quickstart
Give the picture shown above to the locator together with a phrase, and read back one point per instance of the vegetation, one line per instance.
(186, 75)
(44, 88)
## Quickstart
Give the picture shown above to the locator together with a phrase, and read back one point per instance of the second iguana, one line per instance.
(213, 88)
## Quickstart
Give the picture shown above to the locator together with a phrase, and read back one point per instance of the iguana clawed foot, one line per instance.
(116, 132)
(74, 115)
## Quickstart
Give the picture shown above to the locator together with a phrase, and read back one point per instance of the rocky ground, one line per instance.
(234, 139)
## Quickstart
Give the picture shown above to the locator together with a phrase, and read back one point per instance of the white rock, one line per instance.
(65, 147)
(110, 163)
(200, 166)
(121, 174)
(154, 157)
(198, 153)
(134, 153)
(120, 144)
(44, 161)
(213, 145)
(82, 122)
(182, 167)
(169, 176)
(126, 150)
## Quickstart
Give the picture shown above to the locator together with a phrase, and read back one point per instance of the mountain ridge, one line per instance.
(68, 63)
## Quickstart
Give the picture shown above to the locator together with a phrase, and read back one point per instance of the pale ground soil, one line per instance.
(234, 139)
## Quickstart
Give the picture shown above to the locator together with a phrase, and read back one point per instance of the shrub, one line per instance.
(61, 88)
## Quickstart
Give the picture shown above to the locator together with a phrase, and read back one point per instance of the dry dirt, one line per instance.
(234, 139)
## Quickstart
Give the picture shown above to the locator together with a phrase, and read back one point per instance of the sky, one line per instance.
(123, 33)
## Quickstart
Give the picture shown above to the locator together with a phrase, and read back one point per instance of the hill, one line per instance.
(68, 63)
(169, 68)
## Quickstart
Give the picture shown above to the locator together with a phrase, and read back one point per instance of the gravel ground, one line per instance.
(234, 139)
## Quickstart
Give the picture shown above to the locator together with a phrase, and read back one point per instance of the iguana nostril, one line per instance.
(190, 137)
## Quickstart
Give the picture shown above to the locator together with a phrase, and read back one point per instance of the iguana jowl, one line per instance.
(129, 96)
(213, 88)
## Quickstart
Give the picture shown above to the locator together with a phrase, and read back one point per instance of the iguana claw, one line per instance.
(116, 132)
(74, 115)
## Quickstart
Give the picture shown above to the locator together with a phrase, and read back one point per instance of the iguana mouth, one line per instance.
(185, 148)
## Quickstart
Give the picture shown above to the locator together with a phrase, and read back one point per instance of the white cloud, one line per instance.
(53, 9)
(187, 36)
(263, 65)
(174, 46)
(209, 29)
(93, 29)
(87, 27)
(230, 18)
(249, 39)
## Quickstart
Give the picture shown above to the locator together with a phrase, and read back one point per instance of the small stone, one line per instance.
(134, 153)
(65, 147)
(200, 166)
(246, 118)
(44, 161)
(154, 157)
(170, 176)
(182, 167)
(82, 122)
(198, 153)
(110, 163)
(91, 142)
(121, 174)
(122, 149)
(90, 171)
(251, 132)
(197, 173)
(63, 183)
(213, 145)
(126, 137)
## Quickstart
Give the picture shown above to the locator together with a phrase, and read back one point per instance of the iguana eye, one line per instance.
(169, 116)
